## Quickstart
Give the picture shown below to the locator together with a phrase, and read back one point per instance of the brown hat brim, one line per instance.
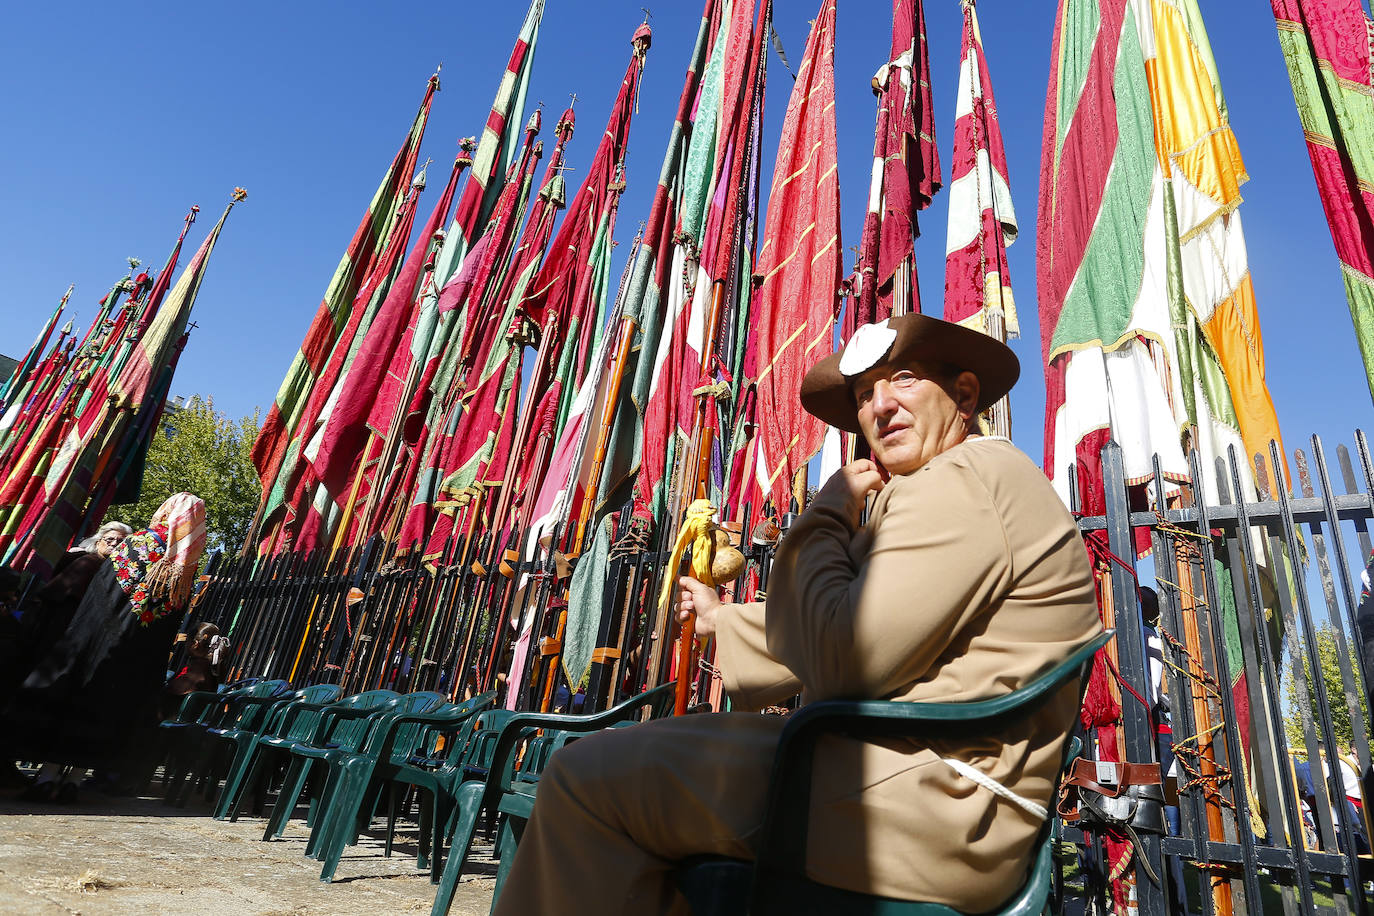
(828, 394)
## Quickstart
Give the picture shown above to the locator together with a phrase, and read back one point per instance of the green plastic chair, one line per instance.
(440, 777)
(184, 735)
(342, 724)
(349, 736)
(296, 717)
(510, 786)
(360, 778)
(777, 884)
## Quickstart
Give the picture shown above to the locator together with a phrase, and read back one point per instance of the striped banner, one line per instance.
(1326, 45)
(1101, 255)
(336, 307)
(982, 221)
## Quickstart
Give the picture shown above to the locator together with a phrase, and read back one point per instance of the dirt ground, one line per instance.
(106, 856)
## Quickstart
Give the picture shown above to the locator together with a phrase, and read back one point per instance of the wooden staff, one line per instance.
(339, 538)
(705, 441)
(551, 647)
(1202, 716)
(621, 357)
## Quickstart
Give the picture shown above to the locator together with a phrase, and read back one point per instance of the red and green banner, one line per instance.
(61, 485)
(798, 301)
(337, 306)
(1326, 46)
(346, 438)
(906, 171)
(982, 220)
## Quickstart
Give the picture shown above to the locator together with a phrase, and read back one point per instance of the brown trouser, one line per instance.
(617, 810)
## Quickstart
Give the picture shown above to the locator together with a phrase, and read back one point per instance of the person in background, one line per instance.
(1162, 717)
(48, 613)
(203, 669)
(11, 652)
(91, 697)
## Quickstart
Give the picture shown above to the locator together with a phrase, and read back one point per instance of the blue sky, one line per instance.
(120, 117)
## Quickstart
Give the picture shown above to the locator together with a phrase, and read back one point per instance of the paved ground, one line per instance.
(115, 856)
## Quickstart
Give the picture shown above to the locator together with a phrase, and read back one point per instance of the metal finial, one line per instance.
(647, 15)
(573, 96)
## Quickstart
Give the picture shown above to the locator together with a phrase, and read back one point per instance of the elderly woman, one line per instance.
(50, 611)
(89, 697)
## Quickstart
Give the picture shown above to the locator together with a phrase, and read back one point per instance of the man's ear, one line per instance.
(966, 391)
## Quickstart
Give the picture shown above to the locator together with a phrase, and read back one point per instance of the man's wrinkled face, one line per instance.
(909, 415)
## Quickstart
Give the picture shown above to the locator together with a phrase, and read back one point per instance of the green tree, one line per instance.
(198, 450)
(1328, 656)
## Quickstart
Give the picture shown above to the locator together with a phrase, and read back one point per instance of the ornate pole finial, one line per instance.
(573, 96)
(421, 176)
(647, 15)
(133, 263)
(239, 194)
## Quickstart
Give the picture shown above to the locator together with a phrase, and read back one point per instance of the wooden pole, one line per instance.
(603, 435)
(705, 440)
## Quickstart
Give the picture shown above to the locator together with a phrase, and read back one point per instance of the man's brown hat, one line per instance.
(826, 391)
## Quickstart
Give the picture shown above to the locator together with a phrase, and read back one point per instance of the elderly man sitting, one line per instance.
(967, 580)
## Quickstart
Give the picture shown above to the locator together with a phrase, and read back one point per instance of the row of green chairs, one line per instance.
(186, 736)
(297, 719)
(373, 748)
(346, 744)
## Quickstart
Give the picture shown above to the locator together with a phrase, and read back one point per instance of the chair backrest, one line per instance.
(409, 735)
(320, 693)
(474, 756)
(299, 719)
(544, 733)
(401, 739)
(349, 732)
(229, 713)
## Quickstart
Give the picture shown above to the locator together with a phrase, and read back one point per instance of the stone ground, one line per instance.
(107, 856)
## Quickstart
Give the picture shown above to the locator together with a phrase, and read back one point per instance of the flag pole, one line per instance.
(608, 409)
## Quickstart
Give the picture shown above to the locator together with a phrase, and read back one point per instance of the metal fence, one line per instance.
(1259, 602)
(1259, 596)
(368, 619)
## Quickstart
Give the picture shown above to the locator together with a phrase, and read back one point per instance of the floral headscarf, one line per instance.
(156, 567)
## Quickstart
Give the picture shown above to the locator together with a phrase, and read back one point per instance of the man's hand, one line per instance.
(696, 597)
(848, 488)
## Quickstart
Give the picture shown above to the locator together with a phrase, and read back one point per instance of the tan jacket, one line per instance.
(968, 580)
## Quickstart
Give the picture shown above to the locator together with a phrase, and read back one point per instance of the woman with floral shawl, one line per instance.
(97, 688)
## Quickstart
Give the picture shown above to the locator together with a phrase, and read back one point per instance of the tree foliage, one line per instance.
(1329, 659)
(199, 450)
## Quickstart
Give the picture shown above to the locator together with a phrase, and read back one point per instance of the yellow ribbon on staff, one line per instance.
(699, 531)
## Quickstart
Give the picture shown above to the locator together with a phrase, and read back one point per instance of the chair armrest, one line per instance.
(442, 720)
(503, 760)
(783, 846)
(198, 700)
(876, 718)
